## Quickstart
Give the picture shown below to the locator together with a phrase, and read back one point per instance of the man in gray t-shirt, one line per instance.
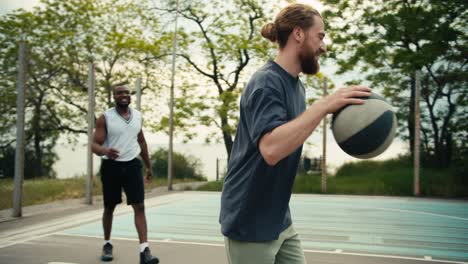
(274, 124)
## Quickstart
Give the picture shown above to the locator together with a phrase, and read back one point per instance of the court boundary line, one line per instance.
(334, 252)
(47, 228)
(420, 212)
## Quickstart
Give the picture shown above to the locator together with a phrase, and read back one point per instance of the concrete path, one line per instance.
(183, 228)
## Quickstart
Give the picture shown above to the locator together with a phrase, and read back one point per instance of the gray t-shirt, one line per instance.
(255, 198)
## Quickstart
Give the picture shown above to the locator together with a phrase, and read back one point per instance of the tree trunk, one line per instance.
(38, 168)
(443, 152)
(109, 96)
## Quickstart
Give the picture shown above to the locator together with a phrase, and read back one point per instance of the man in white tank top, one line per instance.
(119, 140)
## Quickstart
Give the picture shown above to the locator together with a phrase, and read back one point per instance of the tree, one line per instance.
(63, 37)
(388, 41)
(222, 40)
(39, 137)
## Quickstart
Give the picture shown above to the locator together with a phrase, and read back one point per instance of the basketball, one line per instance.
(365, 131)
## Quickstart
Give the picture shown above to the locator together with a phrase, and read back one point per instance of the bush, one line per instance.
(212, 186)
(7, 163)
(395, 177)
(185, 166)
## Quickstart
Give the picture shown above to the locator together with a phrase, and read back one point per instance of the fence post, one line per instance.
(19, 152)
(217, 169)
(170, 161)
(138, 94)
(89, 178)
(324, 144)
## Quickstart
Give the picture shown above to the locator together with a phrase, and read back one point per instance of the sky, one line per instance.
(335, 155)
(9, 5)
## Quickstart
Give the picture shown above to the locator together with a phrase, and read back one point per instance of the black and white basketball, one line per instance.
(365, 131)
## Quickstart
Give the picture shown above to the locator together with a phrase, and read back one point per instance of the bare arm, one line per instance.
(144, 154)
(285, 139)
(99, 138)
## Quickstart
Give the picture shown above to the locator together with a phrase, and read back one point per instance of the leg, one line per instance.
(291, 250)
(135, 192)
(140, 224)
(112, 193)
(140, 221)
(239, 252)
(107, 217)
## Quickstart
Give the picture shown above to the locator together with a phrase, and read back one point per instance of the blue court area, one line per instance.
(407, 227)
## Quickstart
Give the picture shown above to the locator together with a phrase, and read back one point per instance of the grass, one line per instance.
(392, 177)
(41, 191)
(212, 186)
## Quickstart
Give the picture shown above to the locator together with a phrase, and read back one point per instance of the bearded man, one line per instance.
(274, 124)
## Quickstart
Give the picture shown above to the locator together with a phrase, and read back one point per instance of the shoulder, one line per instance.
(267, 75)
(109, 112)
(265, 80)
(136, 113)
(101, 120)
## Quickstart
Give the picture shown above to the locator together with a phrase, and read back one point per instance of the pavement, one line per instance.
(183, 228)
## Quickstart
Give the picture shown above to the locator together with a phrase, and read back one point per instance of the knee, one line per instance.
(139, 208)
(109, 210)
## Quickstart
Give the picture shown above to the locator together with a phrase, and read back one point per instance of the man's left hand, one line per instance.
(149, 175)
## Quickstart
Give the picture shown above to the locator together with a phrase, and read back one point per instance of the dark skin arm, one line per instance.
(99, 137)
(144, 155)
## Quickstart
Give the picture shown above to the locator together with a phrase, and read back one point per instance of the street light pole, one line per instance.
(170, 165)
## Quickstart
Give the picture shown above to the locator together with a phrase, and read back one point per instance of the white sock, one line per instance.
(107, 241)
(143, 246)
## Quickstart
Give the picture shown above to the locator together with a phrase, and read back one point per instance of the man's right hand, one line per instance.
(111, 153)
(345, 96)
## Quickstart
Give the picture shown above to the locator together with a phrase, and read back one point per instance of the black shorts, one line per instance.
(118, 175)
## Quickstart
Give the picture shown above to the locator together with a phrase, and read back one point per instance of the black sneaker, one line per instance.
(107, 252)
(147, 258)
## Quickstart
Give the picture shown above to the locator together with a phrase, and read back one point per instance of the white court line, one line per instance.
(336, 252)
(411, 199)
(149, 240)
(22, 235)
(21, 241)
(386, 256)
(420, 212)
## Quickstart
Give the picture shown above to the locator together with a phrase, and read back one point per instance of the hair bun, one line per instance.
(269, 32)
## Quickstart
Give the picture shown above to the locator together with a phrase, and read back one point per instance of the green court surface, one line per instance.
(384, 226)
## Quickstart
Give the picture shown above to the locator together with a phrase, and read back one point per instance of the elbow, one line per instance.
(269, 155)
(270, 161)
(95, 149)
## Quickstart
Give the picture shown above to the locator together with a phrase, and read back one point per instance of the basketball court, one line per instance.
(183, 228)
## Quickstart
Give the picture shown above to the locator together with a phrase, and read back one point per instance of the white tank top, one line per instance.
(122, 134)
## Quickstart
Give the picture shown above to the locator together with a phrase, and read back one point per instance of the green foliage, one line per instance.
(387, 41)
(220, 42)
(40, 191)
(7, 163)
(391, 177)
(395, 177)
(185, 166)
(212, 186)
(63, 37)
